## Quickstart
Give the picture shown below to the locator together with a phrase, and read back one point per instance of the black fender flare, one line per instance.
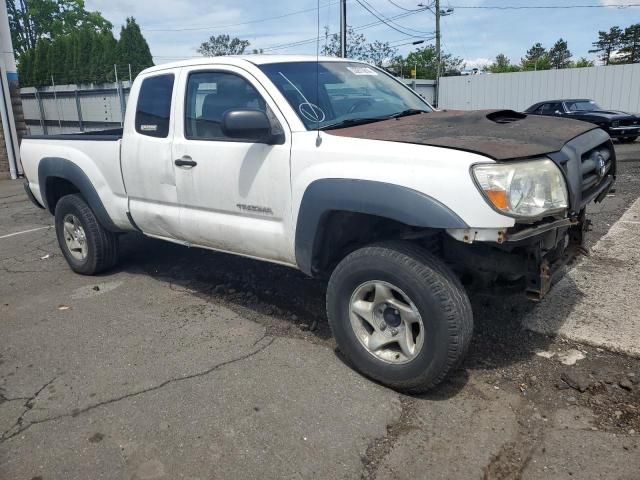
(382, 199)
(62, 168)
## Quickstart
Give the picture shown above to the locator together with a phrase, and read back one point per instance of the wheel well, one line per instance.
(340, 233)
(55, 189)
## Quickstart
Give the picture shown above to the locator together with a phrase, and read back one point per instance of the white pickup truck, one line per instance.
(335, 168)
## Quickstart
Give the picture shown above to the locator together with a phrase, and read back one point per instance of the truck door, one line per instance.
(147, 162)
(235, 195)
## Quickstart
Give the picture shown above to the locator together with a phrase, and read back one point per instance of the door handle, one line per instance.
(185, 162)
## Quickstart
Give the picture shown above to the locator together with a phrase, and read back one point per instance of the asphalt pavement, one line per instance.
(184, 363)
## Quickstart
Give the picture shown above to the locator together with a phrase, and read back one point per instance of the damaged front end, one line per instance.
(536, 252)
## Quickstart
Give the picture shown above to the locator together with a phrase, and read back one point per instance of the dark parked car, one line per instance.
(621, 125)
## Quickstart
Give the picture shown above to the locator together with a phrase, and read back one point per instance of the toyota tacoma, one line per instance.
(335, 168)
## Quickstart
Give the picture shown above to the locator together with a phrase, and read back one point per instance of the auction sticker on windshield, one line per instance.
(362, 71)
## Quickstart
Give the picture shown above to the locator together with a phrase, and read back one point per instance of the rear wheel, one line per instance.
(628, 139)
(87, 246)
(399, 315)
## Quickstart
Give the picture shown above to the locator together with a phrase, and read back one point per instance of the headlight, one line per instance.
(523, 189)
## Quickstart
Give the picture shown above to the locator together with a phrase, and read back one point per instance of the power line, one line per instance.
(383, 19)
(355, 29)
(396, 23)
(541, 7)
(248, 22)
(401, 7)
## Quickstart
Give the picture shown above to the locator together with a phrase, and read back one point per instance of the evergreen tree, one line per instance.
(560, 55)
(630, 44)
(41, 64)
(537, 58)
(82, 56)
(108, 57)
(57, 55)
(25, 68)
(607, 44)
(502, 65)
(70, 57)
(132, 50)
(582, 62)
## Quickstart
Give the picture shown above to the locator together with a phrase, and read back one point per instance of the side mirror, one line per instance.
(249, 125)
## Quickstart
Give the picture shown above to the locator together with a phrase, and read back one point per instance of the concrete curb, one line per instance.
(598, 301)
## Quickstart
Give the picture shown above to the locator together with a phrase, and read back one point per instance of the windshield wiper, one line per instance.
(350, 122)
(407, 112)
(361, 121)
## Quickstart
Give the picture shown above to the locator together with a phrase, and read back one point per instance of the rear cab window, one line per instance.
(153, 110)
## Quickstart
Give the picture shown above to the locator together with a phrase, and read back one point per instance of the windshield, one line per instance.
(582, 106)
(326, 94)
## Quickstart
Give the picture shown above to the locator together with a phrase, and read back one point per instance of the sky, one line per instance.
(175, 28)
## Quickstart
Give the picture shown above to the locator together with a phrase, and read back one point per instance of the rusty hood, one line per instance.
(498, 134)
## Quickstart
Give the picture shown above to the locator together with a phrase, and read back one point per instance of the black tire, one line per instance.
(435, 291)
(628, 139)
(102, 245)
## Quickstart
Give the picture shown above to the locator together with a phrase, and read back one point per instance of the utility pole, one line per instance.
(438, 54)
(10, 103)
(438, 13)
(343, 28)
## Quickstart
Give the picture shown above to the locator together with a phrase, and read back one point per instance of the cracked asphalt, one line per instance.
(183, 363)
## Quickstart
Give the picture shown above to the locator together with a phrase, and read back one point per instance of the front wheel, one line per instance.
(399, 315)
(87, 246)
(628, 139)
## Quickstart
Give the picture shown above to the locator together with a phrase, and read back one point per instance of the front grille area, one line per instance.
(595, 166)
(630, 122)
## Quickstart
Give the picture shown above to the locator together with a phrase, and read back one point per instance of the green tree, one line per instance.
(537, 58)
(223, 45)
(57, 52)
(630, 44)
(106, 57)
(70, 57)
(33, 20)
(560, 55)
(378, 52)
(358, 48)
(356, 44)
(425, 61)
(607, 43)
(582, 62)
(132, 50)
(502, 64)
(82, 56)
(25, 68)
(41, 63)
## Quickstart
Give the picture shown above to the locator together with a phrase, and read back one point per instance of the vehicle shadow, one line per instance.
(289, 304)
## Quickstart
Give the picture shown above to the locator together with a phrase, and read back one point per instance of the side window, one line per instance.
(555, 107)
(211, 94)
(154, 106)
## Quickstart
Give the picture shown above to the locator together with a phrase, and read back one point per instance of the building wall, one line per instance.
(614, 87)
(425, 88)
(4, 159)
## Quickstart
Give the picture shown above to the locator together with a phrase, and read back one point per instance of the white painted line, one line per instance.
(630, 221)
(24, 231)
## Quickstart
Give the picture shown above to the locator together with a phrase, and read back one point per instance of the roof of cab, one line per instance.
(243, 59)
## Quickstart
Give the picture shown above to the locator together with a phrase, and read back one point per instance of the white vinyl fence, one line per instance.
(614, 87)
